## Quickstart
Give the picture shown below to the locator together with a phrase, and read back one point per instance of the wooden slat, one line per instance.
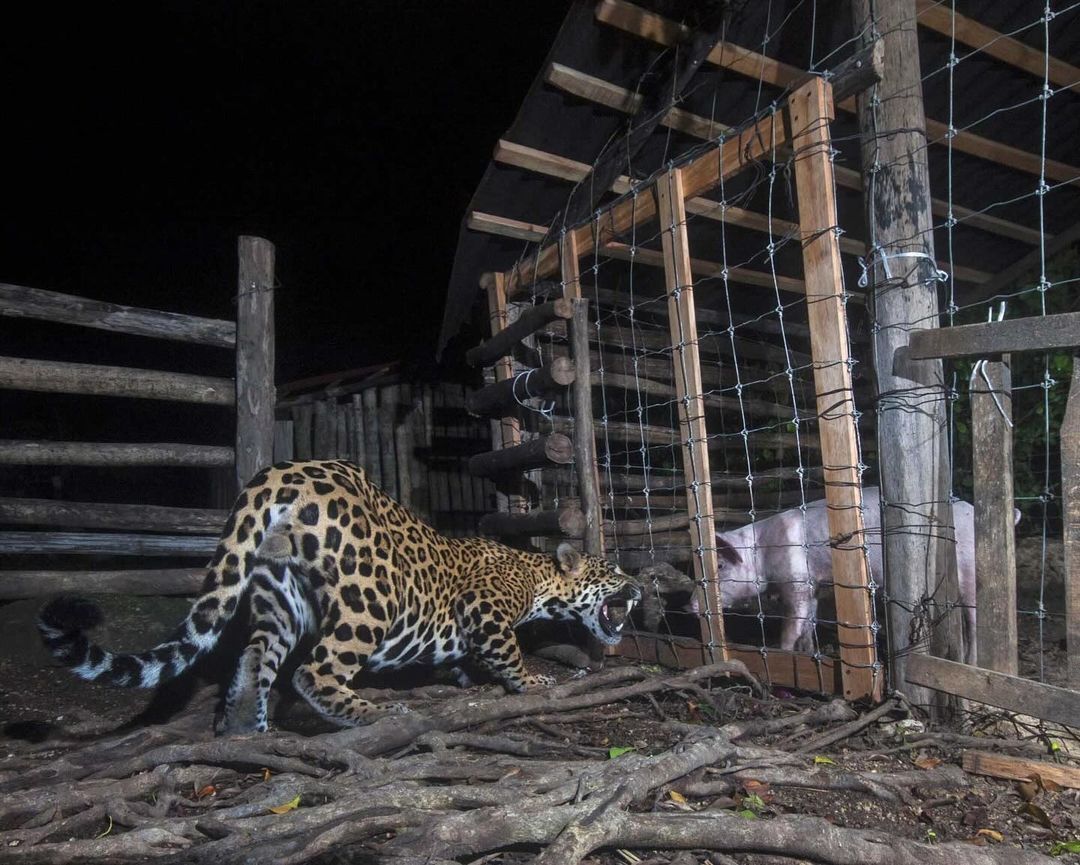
(727, 55)
(686, 361)
(941, 18)
(18, 301)
(49, 376)
(811, 111)
(102, 515)
(15, 585)
(91, 543)
(1036, 333)
(47, 453)
(1048, 702)
(784, 669)
(1020, 768)
(504, 226)
(1070, 515)
(995, 544)
(508, 428)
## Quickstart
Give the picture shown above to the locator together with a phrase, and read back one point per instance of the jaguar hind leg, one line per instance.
(280, 616)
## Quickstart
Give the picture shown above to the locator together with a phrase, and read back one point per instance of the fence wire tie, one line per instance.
(979, 371)
(546, 410)
(876, 252)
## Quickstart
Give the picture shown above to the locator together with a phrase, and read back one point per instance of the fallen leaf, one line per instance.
(208, 790)
(266, 774)
(1036, 814)
(1060, 847)
(824, 761)
(747, 813)
(676, 796)
(291, 805)
(992, 834)
(1048, 785)
(618, 752)
(928, 762)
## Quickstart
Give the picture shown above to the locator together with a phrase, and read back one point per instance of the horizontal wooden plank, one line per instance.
(49, 376)
(161, 581)
(1020, 768)
(504, 226)
(776, 667)
(1036, 333)
(93, 543)
(942, 18)
(102, 515)
(1048, 702)
(18, 301)
(49, 453)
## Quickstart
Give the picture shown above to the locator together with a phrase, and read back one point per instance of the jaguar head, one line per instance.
(597, 593)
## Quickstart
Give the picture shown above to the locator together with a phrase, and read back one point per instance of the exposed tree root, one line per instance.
(459, 777)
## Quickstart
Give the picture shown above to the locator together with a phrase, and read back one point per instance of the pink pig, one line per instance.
(791, 552)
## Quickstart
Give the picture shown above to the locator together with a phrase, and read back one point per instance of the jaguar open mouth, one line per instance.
(615, 610)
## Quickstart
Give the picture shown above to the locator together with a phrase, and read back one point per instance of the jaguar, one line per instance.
(329, 568)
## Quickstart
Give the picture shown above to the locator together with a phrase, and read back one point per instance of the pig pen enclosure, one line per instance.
(734, 264)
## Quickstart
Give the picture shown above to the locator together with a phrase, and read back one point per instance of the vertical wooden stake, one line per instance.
(387, 420)
(584, 441)
(372, 452)
(995, 544)
(1070, 486)
(403, 444)
(255, 393)
(358, 443)
(810, 112)
(509, 427)
(302, 419)
(686, 360)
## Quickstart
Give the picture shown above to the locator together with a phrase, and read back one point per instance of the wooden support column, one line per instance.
(682, 319)
(1070, 486)
(254, 358)
(584, 438)
(811, 109)
(509, 428)
(995, 543)
(919, 550)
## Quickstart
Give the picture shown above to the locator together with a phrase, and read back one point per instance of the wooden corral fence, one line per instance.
(994, 681)
(48, 527)
(674, 366)
(413, 438)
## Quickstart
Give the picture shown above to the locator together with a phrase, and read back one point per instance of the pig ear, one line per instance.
(727, 551)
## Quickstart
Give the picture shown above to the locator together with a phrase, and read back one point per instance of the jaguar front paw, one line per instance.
(539, 681)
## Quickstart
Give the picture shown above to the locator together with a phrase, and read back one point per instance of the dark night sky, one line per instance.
(141, 139)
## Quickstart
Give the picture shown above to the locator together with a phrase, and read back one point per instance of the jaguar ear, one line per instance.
(569, 558)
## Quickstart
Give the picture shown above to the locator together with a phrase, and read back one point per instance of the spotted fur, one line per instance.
(323, 553)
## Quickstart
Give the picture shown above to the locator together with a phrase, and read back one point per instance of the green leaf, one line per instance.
(747, 813)
(618, 752)
(824, 761)
(1060, 847)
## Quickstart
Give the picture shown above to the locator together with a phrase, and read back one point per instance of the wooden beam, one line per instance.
(939, 17)
(995, 543)
(501, 399)
(15, 585)
(1035, 333)
(700, 174)
(49, 376)
(634, 19)
(49, 453)
(502, 343)
(1020, 768)
(565, 521)
(1047, 702)
(504, 226)
(18, 301)
(91, 543)
(254, 357)
(102, 515)
(686, 360)
(810, 110)
(553, 449)
(1070, 513)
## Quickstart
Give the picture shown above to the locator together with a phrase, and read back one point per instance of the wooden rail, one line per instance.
(46, 453)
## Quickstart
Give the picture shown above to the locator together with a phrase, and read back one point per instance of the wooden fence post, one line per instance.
(686, 360)
(810, 109)
(995, 543)
(254, 358)
(1070, 486)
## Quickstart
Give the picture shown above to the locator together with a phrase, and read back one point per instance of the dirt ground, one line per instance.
(40, 702)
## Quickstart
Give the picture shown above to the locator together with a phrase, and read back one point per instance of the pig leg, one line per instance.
(799, 603)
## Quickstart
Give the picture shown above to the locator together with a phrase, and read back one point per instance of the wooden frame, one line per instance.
(857, 674)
